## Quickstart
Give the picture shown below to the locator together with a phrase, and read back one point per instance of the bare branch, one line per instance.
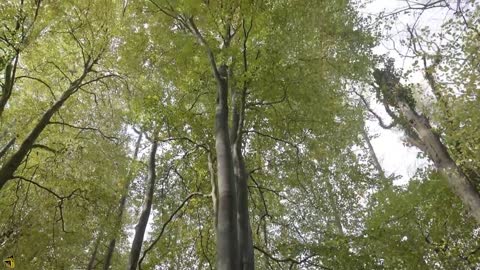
(288, 259)
(380, 120)
(111, 138)
(162, 230)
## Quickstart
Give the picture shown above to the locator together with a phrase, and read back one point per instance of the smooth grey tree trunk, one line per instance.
(109, 255)
(245, 241)
(226, 231)
(439, 155)
(146, 209)
(227, 243)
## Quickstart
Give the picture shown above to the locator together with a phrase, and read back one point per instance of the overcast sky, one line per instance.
(393, 155)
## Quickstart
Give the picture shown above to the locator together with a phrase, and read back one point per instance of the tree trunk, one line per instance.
(109, 255)
(8, 85)
(373, 155)
(121, 209)
(91, 262)
(226, 231)
(227, 243)
(146, 209)
(214, 184)
(245, 241)
(438, 153)
(8, 170)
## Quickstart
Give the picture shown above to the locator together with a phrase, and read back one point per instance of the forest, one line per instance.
(239, 134)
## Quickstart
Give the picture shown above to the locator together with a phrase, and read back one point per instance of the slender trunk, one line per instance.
(91, 262)
(227, 242)
(121, 209)
(245, 241)
(109, 255)
(7, 171)
(373, 155)
(8, 84)
(146, 209)
(438, 153)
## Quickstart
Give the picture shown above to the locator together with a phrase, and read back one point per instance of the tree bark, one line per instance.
(7, 171)
(8, 85)
(214, 184)
(227, 243)
(439, 155)
(91, 262)
(109, 255)
(146, 209)
(245, 241)
(121, 209)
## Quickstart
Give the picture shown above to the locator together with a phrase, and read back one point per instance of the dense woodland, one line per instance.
(237, 134)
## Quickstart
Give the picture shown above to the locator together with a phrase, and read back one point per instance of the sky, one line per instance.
(393, 155)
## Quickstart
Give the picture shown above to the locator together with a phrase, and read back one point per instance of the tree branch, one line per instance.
(288, 259)
(162, 230)
(370, 110)
(111, 138)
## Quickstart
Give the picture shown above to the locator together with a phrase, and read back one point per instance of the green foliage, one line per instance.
(421, 226)
(314, 198)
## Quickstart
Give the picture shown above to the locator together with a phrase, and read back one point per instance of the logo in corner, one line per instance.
(9, 262)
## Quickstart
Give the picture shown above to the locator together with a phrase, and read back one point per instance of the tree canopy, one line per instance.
(237, 135)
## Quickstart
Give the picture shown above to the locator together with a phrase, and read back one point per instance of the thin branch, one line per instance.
(162, 230)
(264, 103)
(111, 138)
(61, 199)
(40, 81)
(288, 259)
(380, 120)
(44, 147)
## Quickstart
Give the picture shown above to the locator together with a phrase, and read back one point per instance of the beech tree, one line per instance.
(233, 135)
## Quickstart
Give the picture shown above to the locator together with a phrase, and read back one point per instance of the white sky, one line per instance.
(393, 155)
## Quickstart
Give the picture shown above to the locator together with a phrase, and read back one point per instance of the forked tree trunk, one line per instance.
(146, 209)
(226, 231)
